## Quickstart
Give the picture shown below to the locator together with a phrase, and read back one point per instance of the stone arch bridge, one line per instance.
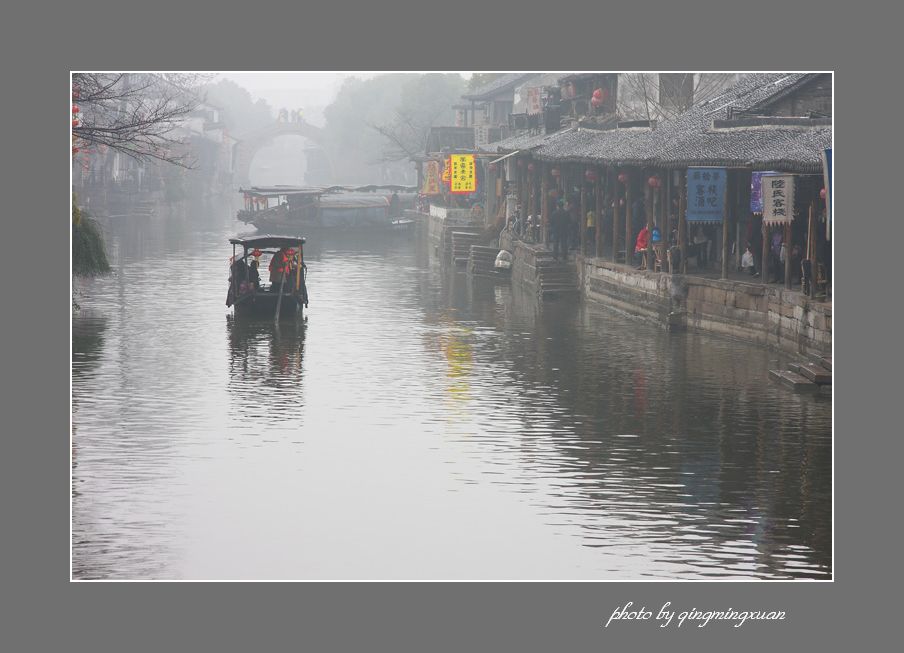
(251, 142)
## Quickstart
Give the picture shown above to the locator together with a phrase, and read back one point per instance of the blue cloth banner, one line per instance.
(705, 194)
(756, 190)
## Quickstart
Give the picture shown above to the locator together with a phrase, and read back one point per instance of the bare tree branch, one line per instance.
(140, 115)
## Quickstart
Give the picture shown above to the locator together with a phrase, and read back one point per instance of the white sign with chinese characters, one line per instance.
(778, 198)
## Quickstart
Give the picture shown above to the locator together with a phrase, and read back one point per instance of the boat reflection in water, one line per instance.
(265, 368)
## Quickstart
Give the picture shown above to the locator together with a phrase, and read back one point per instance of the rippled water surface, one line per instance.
(417, 424)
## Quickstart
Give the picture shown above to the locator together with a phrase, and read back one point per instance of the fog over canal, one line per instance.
(420, 424)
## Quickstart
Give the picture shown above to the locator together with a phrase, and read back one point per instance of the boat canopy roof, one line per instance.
(353, 201)
(269, 241)
(275, 191)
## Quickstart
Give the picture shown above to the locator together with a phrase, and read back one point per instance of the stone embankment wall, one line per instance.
(524, 261)
(768, 315)
(440, 223)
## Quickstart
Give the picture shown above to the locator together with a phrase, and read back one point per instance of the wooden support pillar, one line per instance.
(582, 218)
(667, 210)
(811, 246)
(649, 205)
(726, 212)
(738, 212)
(764, 264)
(598, 208)
(616, 216)
(544, 202)
(628, 216)
(788, 255)
(682, 220)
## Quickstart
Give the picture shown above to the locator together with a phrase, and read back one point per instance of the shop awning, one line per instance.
(505, 157)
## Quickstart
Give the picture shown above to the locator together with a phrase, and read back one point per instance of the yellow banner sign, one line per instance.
(464, 173)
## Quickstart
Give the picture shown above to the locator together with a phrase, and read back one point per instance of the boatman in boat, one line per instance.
(279, 265)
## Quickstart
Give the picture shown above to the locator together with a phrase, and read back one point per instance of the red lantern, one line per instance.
(595, 102)
(598, 93)
(530, 167)
(75, 122)
(75, 108)
(75, 92)
(822, 193)
(590, 174)
(623, 177)
(555, 172)
(290, 252)
(652, 182)
(75, 150)
(256, 253)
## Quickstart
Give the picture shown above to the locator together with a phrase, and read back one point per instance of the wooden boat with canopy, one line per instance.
(286, 294)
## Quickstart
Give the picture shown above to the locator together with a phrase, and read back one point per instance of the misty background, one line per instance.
(370, 124)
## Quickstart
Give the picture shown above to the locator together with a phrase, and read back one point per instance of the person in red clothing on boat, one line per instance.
(640, 247)
(281, 264)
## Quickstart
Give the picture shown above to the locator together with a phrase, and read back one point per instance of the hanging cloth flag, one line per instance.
(778, 199)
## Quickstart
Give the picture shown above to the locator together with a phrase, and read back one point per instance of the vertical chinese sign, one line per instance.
(778, 199)
(533, 101)
(464, 174)
(705, 194)
(431, 178)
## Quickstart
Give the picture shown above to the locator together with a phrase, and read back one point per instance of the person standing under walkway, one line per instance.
(640, 247)
(559, 224)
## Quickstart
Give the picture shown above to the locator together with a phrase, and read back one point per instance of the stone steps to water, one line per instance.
(559, 274)
(823, 361)
(794, 381)
(556, 279)
(482, 261)
(816, 373)
(461, 242)
(806, 377)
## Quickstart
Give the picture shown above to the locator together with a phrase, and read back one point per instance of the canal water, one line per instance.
(417, 424)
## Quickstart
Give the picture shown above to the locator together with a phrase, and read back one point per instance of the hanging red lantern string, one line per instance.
(75, 108)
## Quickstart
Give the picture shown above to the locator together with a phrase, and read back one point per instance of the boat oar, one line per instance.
(279, 299)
